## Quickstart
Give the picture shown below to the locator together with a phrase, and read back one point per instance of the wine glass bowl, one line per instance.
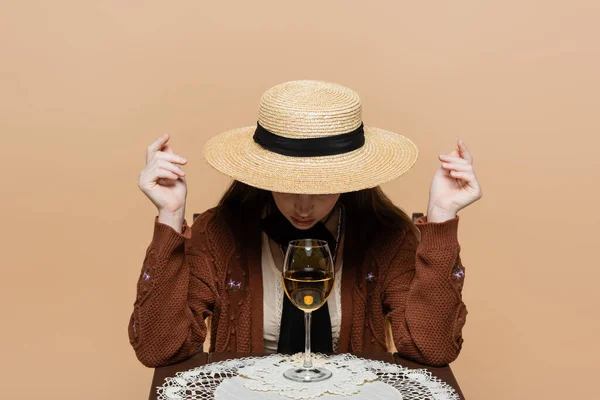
(308, 277)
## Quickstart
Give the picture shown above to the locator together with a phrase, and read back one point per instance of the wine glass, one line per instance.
(308, 277)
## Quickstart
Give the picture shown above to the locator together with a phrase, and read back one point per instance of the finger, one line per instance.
(464, 151)
(465, 176)
(156, 146)
(167, 149)
(165, 182)
(173, 158)
(170, 167)
(165, 174)
(452, 159)
(457, 167)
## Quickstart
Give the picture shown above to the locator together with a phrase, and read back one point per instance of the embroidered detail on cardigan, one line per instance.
(370, 277)
(234, 285)
(458, 272)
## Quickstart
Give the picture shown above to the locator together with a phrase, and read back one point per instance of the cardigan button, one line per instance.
(240, 303)
(232, 318)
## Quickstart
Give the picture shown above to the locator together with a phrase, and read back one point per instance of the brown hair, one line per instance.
(372, 207)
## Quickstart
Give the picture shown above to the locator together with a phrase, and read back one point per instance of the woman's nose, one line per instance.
(303, 204)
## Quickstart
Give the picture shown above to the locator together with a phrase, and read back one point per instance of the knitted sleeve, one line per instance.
(175, 293)
(422, 294)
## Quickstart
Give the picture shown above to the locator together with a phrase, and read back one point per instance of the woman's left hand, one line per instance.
(454, 185)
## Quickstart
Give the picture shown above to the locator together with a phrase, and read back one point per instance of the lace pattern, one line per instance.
(261, 378)
(279, 305)
(336, 321)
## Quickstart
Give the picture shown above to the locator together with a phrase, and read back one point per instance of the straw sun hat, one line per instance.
(310, 139)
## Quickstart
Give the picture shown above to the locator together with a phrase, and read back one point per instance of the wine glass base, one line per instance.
(307, 375)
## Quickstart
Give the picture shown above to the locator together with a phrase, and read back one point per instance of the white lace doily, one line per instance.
(262, 378)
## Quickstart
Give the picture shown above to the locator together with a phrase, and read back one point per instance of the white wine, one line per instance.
(308, 280)
(308, 288)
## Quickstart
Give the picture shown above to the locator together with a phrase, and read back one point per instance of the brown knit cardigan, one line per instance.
(186, 277)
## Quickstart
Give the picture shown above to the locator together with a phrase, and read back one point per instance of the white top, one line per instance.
(273, 293)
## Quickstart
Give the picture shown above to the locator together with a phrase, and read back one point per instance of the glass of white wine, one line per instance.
(308, 277)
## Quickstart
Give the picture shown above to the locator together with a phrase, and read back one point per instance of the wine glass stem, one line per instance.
(307, 358)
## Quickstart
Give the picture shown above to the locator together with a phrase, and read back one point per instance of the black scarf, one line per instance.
(291, 335)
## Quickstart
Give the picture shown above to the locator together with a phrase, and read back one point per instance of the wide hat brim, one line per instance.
(384, 157)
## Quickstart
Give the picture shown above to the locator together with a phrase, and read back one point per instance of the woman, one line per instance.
(308, 168)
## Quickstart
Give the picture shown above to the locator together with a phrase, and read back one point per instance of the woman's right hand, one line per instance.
(163, 180)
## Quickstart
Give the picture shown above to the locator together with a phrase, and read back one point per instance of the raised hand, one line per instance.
(454, 185)
(163, 181)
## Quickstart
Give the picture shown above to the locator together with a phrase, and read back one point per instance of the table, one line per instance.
(443, 373)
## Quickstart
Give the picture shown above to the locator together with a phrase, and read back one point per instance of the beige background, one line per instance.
(86, 86)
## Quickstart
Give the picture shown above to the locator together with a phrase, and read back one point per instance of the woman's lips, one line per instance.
(303, 222)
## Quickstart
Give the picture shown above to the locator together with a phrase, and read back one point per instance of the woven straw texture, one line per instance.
(311, 109)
